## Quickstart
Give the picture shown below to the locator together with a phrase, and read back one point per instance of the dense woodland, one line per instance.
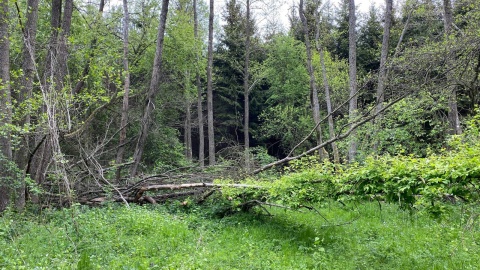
(98, 98)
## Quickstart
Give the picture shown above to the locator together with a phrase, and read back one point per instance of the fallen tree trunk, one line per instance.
(137, 195)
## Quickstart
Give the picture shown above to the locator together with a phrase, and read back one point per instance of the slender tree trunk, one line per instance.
(126, 91)
(188, 119)
(152, 91)
(26, 89)
(331, 125)
(453, 117)
(62, 54)
(5, 106)
(211, 138)
(383, 71)
(246, 75)
(313, 87)
(201, 136)
(447, 16)
(383, 57)
(352, 73)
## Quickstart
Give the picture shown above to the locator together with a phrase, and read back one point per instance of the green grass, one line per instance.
(164, 237)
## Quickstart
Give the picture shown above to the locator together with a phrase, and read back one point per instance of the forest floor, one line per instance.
(174, 237)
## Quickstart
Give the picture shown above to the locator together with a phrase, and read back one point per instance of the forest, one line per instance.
(228, 120)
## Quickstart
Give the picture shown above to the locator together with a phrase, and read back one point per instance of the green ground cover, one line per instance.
(171, 237)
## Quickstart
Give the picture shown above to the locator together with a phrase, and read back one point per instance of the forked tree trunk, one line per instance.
(352, 74)
(201, 136)
(5, 107)
(211, 138)
(126, 91)
(152, 91)
(313, 86)
(52, 83)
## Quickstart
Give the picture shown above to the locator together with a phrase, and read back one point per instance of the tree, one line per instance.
(126, 91)
(352, 73)
(152, 91)
(369, 39)
(26, 90)
(246, 88)
(313, 86)
(328, 100)
(201, 136)
(453, 118)
(382, 73)
(6, 183)
(211, 136)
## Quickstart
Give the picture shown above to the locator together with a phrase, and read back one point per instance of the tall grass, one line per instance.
(167, 237)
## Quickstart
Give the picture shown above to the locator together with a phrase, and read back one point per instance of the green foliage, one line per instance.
(286, 124)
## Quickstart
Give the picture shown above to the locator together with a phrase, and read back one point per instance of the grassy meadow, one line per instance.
(171, 237)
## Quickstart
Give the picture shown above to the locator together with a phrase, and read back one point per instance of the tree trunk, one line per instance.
(26, 89)
(313, 87)
(43, 155)
(383, 57)
(453, 117)
(5, 106)
(188, 122)
(331, 125)
(126, 91)
(211, 142)
(383, 71)
(246, 93)
(352, 73)
(447, 16)
(62, 53)
(201, 139)
(152, 91)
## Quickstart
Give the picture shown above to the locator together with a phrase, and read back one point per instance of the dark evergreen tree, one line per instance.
(229, 63)
(369, 42)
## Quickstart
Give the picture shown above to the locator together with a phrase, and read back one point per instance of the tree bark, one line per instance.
(126, 91)
(246, 75)
(352, 73)
(383, 70)
(201, 136)
(447, 16)
(313, 86)
(453, 117)
(152, 91)
(188, 122)
(5, 107)
(211, 138)
(382, 73)
(62, 53)
(26, 89)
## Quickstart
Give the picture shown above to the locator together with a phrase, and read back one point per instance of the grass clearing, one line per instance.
(166, 237)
